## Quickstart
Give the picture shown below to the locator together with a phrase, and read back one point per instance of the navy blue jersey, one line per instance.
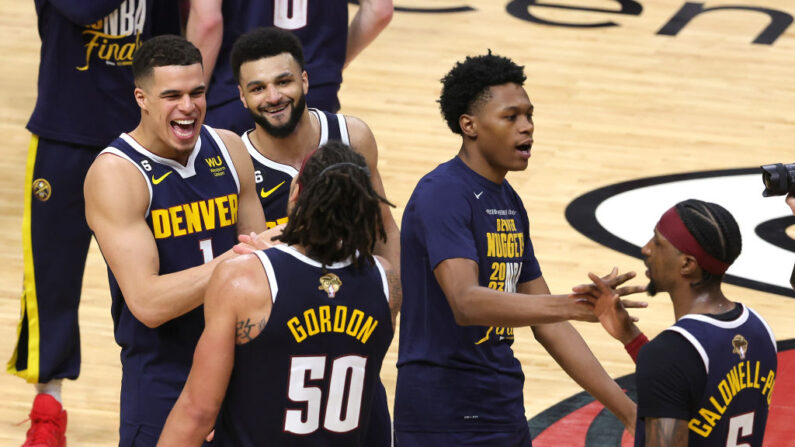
(85, 87)
(739, 358)
(320, 25)
(192, 214)
(309, 377)
(452, 377)
(273, 179)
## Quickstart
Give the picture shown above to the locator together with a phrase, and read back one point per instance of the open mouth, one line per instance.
(275, 109)
(183, 128)
(525, 147)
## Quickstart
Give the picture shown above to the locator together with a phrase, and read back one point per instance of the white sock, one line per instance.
(53, 388)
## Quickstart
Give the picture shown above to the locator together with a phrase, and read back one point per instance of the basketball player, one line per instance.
(83, 103)
(321, 25)
(296, 334)
(268, 65)
(165, 202)
(706, 380)
(470, 276)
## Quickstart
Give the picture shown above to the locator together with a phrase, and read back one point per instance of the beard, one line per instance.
(285, 129)
(651, 289)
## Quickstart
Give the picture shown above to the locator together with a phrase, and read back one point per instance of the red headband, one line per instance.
(672, 227)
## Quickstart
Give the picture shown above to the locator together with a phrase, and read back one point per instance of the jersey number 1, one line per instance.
(290, 14)
(348, 370)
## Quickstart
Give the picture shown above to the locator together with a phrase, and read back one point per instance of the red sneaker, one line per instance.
(47, 423)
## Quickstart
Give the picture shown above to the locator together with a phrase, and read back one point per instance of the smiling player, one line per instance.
(163, 201)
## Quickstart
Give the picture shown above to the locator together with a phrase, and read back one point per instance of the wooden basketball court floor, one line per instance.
(613, 103)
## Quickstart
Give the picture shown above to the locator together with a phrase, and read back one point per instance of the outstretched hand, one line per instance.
(249, 243)
(605, 296)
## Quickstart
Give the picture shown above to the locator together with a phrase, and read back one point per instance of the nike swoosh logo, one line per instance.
(155, 181)
(477, 196)
(265, 194)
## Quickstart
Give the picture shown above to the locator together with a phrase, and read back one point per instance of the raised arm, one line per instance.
(569, 350)
(250, 215)
(237, 289)
(363, 141)
(371, 18)
(475, 305)
(117, 197)
(205, 29)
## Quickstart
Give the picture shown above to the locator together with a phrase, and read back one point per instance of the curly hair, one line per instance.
(715, 230)
(161, 51)
(264, 42)
(338, 212)
(466, 85)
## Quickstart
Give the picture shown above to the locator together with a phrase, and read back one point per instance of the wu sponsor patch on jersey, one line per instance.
(216, 165)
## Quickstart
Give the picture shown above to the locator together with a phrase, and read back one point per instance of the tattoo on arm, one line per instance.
(666, 432)
(243, 333)
(395, 293)
(245, 330)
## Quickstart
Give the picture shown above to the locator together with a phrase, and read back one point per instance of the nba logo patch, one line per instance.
(330, 283)
(739, 346)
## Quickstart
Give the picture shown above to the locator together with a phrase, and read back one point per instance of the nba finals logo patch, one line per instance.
(42, 189)
(330, 283)
(739, 346)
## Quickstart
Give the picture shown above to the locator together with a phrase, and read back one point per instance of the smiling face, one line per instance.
(273, 90)
(172, 105)
(500, 129)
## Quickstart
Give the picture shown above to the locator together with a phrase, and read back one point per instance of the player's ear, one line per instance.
(468, 124)
(242, 96)
(140, 97)
(688, 266)
(305, 82)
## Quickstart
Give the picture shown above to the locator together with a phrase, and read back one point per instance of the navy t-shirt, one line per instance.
(453, 378)
(85, 86)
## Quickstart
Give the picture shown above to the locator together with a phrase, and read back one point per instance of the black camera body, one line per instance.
(779, 179)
